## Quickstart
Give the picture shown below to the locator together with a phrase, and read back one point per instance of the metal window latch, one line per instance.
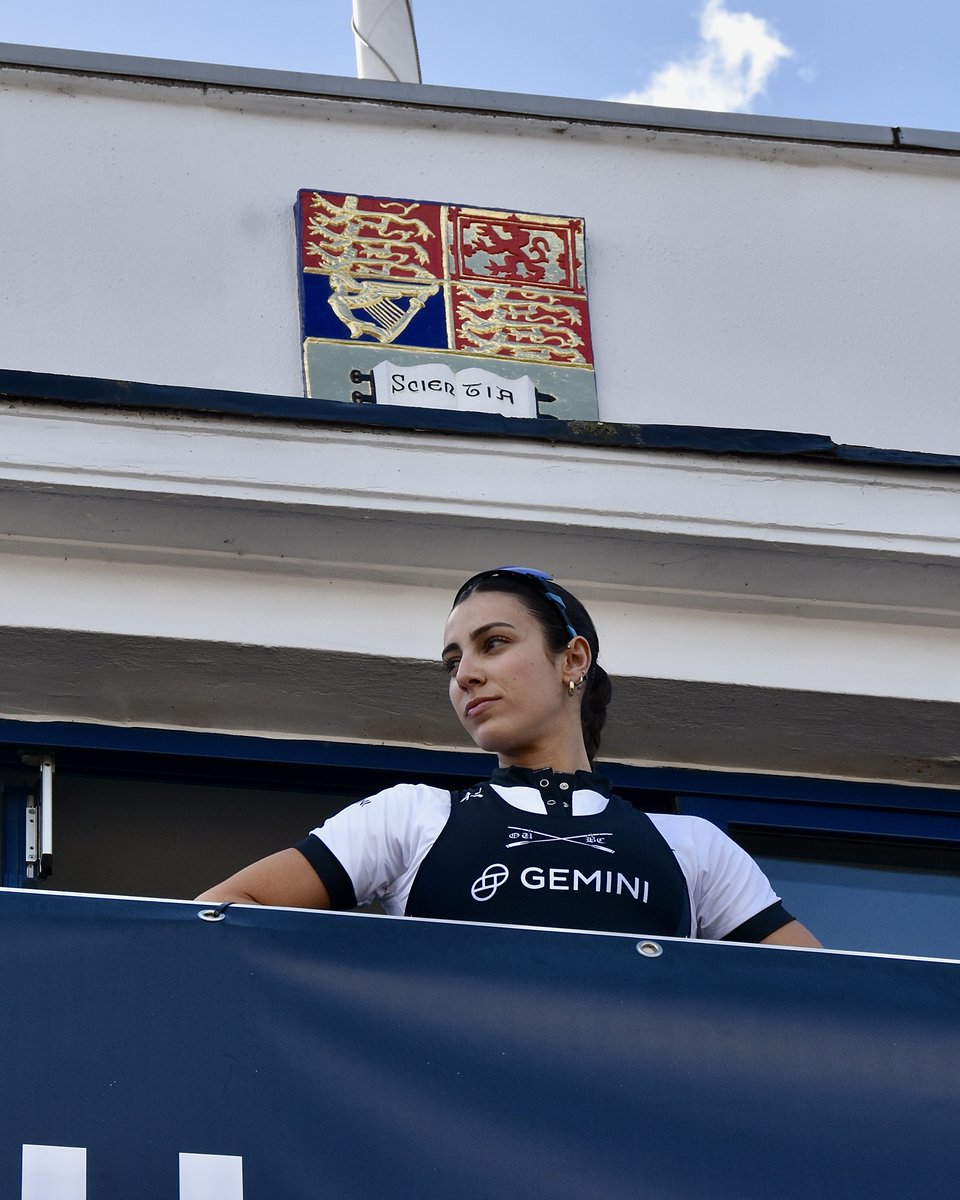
(32, 849)
(39, 818)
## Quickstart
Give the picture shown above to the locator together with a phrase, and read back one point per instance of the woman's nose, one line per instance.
(467, 671)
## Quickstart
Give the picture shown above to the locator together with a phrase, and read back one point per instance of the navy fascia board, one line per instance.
(181, 746)
(476, 100)
(184, 744)
(41, 388)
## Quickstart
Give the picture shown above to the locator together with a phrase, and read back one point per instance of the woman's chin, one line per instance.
(486, 737)
(487, 742)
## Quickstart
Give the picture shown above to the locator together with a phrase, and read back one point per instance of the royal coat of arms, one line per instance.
(441, 305)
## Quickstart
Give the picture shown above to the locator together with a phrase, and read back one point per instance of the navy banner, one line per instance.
(280, 1055)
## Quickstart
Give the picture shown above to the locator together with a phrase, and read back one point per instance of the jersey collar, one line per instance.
(545, 778)
(580, 794)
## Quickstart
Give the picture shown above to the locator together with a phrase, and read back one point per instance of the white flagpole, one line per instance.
(386, 42)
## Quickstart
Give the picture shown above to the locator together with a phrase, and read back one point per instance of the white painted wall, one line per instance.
(291, 579)
(147, 234)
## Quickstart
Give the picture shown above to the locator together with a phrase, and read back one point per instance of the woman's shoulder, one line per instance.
(404, 797)
(409, 791)
(679, 830)
(399, 813)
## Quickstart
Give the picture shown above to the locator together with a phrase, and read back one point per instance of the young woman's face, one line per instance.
(507, 688)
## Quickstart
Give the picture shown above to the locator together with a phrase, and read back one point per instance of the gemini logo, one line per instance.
(60, 1173)
(490, 882)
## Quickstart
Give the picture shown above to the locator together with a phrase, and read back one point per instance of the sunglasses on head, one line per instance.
(538, 577)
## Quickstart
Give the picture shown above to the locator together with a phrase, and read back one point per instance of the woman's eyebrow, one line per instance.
(477, 633)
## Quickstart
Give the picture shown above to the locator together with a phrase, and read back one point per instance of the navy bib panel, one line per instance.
(492, 862)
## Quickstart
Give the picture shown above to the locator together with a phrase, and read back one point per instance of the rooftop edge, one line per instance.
(432, 96)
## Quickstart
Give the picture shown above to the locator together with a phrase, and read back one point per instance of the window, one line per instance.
(866, 893)
(156, 813)
(875, 869)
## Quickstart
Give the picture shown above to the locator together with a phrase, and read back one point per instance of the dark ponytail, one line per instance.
(597, 692)
(532, 593)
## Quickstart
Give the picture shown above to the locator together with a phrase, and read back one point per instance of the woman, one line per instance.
(544, 842)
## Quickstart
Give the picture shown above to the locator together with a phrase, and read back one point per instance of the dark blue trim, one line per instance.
(188, 744)
(41, 388)
(905, 823)
(752, 789)
(13, 837)
(801, 788)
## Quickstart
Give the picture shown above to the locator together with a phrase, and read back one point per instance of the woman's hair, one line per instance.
(557, 612)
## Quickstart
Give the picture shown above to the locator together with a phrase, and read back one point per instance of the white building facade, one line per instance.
(192, 547)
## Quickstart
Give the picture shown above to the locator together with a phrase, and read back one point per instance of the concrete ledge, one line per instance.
(407, 95)
(168, 683)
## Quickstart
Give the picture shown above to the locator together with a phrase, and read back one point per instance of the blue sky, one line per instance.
(835, 60)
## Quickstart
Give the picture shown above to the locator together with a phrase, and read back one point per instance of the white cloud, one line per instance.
(739, 54)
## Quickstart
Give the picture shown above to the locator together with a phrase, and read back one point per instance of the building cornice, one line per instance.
(171, 567)
(476, 101)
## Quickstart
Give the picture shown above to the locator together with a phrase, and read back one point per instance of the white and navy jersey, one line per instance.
(539, 848)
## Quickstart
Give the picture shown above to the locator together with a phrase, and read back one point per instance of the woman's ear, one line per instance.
(577, 657)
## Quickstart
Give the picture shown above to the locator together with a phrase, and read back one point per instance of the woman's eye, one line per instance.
(450, 665)
(497, 640)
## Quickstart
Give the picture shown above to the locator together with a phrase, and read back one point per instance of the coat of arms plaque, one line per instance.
(444, 306)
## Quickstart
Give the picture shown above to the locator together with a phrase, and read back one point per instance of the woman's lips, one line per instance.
(475, 707)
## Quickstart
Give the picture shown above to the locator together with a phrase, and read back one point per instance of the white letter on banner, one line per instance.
(54, 1173)
(211, 1177)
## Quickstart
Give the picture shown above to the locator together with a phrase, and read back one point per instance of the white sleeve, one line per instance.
(381, 841)
(726, 886)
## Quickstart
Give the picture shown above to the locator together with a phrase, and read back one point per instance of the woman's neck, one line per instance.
(561, 762)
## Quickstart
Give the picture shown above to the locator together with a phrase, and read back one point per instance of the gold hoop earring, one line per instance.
(572, 689)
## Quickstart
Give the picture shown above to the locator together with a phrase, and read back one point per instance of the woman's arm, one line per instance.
(732, 898)
(284, 878)
(792, 934)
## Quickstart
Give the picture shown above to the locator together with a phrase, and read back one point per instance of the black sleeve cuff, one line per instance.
(765, 922)
(335, 879)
